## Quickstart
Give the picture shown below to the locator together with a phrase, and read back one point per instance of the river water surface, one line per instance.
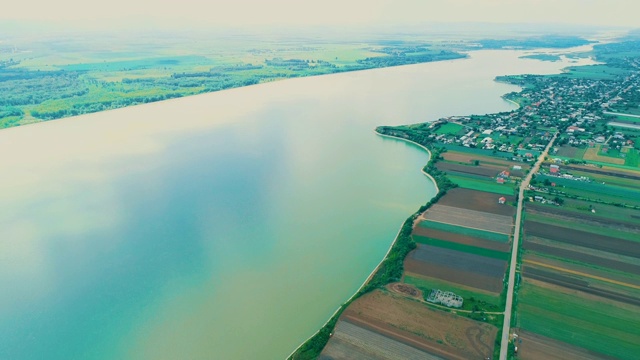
(222, 226)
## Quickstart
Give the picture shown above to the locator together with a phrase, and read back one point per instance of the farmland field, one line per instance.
(593, 228)
(582, 209)
(468, 156)
(487, 235)
(470, 218)
(420, 231)
(461, 247)
(535, 347)
(434, 331)
(461, 268)
(478, 200)
(492, 301)
(571, 152)
(582, 257)
(601, 326)
(582, 238)
(350, 341)
(484, 171)
(449, 129)
(593, 154)
(482, 185)
(588, 217)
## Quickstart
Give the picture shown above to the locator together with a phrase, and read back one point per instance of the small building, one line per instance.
(502, 200)
(554, 170)
(517, 167)
(500, 180)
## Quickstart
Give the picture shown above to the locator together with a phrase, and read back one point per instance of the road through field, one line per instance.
(504, 344)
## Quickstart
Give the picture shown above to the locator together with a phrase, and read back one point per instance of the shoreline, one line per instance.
(395, 239)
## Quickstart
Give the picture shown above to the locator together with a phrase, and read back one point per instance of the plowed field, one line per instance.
(582, 238)
(470, 218)
(461, 239)
(535, 347)
(479, 201)
(412, 323)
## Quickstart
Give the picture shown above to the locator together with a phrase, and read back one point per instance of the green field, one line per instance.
(461, 247)
(583, 208)
(469, 182)
(591, 324)
(596, 190)
(595, 229)
(449, 129)
(487, 235)
(484, 301)
(595, 72)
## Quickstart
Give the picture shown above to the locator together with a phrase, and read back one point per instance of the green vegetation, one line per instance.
(487, 235)
(54, 80)
(449, 128)
(542, 57)
(461, 247)
(473, 300)
(547, 41)
(476, 183)
(591, 324)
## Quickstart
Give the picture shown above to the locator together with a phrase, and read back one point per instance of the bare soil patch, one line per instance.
(535, 347)
(461, 239)
(481, 170)
(479, 201)
(406, 290)
(466, 158)
(583, 238)
(412, 323)
(470, 218)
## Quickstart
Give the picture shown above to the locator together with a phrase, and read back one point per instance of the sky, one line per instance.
(241, 13)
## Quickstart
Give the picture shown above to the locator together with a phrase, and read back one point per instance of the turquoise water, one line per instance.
(222, 226)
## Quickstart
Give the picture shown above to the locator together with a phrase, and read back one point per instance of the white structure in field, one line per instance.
(445, 298)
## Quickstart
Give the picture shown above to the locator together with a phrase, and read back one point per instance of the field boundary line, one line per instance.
(574, 272)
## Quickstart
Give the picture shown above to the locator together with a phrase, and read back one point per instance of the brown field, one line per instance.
(567, 151)
(535, 347)
(350, 341)
(592, 154)
(405, 289)
(407, 321)
(466, 269)
(582, 257)
(470, 218)
(586, 218)
(482, 170)
(465, 158)
(582, 238)
(628, 174)
(478, 200)
(461, 239)
(573, 283)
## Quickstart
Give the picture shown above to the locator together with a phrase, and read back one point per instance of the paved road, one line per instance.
(504, 345)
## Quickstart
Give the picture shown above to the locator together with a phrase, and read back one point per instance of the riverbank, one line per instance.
(311, 348)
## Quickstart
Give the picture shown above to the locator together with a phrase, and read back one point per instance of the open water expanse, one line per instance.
(222, 226)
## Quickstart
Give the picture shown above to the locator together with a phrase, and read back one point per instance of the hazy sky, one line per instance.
(323, 12)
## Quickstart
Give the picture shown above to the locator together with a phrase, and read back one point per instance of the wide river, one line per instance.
(222, 226)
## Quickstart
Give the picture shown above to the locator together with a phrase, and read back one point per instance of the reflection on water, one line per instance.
(226, 225)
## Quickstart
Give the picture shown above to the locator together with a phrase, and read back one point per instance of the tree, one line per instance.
(558, 200)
